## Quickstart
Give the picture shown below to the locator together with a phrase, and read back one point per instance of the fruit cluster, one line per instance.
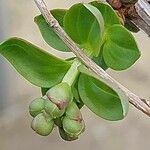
(57, 104)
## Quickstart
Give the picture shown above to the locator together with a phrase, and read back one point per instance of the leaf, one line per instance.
(106, 102)
(85, 25)
(77, 98)
(35, 65)
(110, 18)
(100, 62)
(48, 34)
(109, 15)
(120, 50)
(44, 91)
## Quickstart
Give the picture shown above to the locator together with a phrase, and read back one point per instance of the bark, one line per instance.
(143, 20)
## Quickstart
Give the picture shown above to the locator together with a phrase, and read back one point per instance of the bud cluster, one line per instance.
(57, 104)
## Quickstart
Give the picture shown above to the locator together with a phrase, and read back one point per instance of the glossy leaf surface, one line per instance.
(47, 32)
(85, 25)
(120, 50)
(109, 15)
(101, 98)
(35, 65)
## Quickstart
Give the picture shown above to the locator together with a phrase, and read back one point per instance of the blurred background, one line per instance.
(132, 133)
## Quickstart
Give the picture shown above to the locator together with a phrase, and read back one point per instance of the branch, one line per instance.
(138, 13)
(143, 19)
(140, 104)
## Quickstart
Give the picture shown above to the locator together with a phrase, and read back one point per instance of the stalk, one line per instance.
(72, 73)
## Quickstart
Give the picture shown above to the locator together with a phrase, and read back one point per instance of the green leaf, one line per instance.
(85, 25)
(48, 34)
(35, 65)
(110, 18)
(44, 91)
(108, 13)
(100, 60)
(120, 50)
(76, 95)
(101, 98)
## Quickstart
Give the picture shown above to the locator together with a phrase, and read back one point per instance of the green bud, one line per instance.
(73, 128)
(36, 106)
(53, 110)
(73, 112)
(60, 95)
(66, 136)
(42, 125)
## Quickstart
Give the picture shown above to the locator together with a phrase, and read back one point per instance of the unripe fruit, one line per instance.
(42, 125)
(73, 112)
(73, 128)
(36, 106)
(66, 136)
(52, 109)
(60, 95)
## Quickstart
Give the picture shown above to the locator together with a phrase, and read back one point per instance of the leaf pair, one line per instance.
(97, 29)
(119, 49)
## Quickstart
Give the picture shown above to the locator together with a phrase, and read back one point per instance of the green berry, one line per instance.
(73, 112)
(52, 109)
(72, 127)
(36, 106)
(66, 136)
(42, 125)
(60, 95)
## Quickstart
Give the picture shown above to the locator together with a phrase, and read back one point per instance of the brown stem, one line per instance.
(138, 13)
(143, 20)
(92, 66)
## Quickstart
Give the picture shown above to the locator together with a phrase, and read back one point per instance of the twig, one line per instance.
(52, 22)
(143, 20)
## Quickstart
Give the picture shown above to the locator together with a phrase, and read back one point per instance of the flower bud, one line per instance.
(52, 109)
(66, 136)
(73, 128)
(60, 95)
(36, 106)
(42, 125)
(73, 112)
